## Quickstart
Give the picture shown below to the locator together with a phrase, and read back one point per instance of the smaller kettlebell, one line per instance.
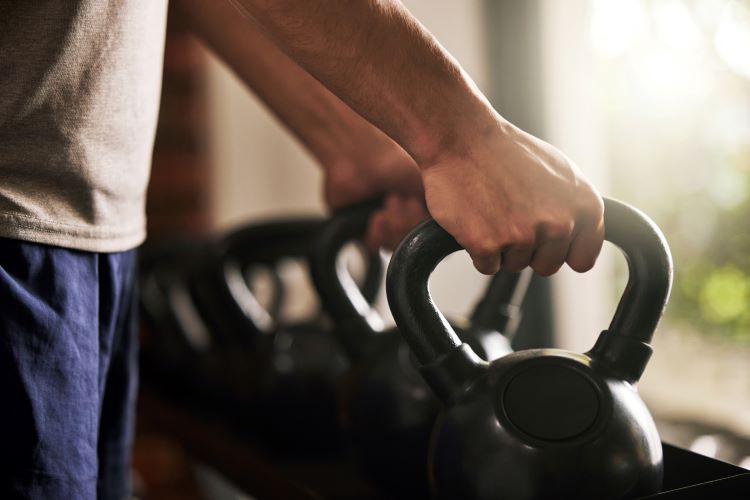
(541, 423)
(177, 352)
(292, 368)
(386, 411)
(218, 281)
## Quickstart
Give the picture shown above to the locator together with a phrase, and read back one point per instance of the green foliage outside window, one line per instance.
(673, 85)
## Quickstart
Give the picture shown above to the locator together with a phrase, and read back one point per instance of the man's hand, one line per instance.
(513, 200)
(506, 196)
(379, 167)
(359, 161)
(399, 215)
(386, 170)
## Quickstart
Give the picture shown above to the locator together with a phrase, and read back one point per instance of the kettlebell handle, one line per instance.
(497, 309)
(340, 296)
(259, 244)
(623, 349)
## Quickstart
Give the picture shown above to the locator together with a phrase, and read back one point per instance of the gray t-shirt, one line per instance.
(79, 95)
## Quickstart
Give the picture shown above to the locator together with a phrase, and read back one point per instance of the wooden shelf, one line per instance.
(246, 463)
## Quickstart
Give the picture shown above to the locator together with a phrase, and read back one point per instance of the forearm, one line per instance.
(327, 127)
(496, 189)
(385, 65)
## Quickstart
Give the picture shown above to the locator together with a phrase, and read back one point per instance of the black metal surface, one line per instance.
(237, 322)
(356, 321)
(499, 308)
(689, 476)
(624, 348)
(177, 350)
(294, 369)
(424, 327)
(541, 423)
(536, 327)
(387, 410)
(266, 374)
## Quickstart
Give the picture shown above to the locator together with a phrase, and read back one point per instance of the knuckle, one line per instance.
(546, 269)
(487, 266)
(559, 229)
(515, 261)
(591, 205)
(483, 247)
(514, 267)
(523, 238)
(581, 265)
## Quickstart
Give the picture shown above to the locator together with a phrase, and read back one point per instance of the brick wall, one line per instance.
(179, 193)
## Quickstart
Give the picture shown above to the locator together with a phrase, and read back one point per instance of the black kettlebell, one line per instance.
(293, 368)
(178, 352)
(164, 346)
(541, 423)
(219, 282)
(386, 409)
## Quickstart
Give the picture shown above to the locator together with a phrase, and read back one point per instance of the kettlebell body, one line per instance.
(292, 368)
(386, 413)
(543, 423)
(177, 349)
(297, 380)
(602, 442)
(386, 409)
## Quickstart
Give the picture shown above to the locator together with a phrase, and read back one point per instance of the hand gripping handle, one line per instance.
(450, 365)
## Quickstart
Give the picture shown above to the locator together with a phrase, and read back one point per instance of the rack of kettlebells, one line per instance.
(335, 406)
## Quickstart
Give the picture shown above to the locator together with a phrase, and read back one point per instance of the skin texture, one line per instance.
(358, 160)
(506, 196)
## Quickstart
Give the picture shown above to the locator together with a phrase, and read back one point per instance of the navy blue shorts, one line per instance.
(68, 371)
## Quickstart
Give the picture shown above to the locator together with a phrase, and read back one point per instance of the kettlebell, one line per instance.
(164, 345)
(386, 411)
(541, 423)
(219, 281)
(178, 353)
(293, 368)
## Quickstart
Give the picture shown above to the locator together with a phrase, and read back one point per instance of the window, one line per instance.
(671, 81)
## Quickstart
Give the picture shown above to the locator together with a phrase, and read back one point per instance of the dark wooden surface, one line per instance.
(245, 463)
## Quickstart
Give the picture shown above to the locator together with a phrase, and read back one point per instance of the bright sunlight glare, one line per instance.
(615, 26)
(733, 38)
(676, 25)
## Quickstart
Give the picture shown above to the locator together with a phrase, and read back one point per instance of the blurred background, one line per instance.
(651, 98)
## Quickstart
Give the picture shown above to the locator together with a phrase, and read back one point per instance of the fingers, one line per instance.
(519, 254)
(586, 246)
(554, 246)
(550, 256)
(389, 225)
(575, 240)
(486, 264)
(517, 258)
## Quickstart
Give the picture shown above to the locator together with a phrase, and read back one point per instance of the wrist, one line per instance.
(459, 135)
(364, 148)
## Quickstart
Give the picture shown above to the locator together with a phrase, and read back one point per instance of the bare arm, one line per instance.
(378, 58)
(496, 189)
(499, 191)
(358, 159)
